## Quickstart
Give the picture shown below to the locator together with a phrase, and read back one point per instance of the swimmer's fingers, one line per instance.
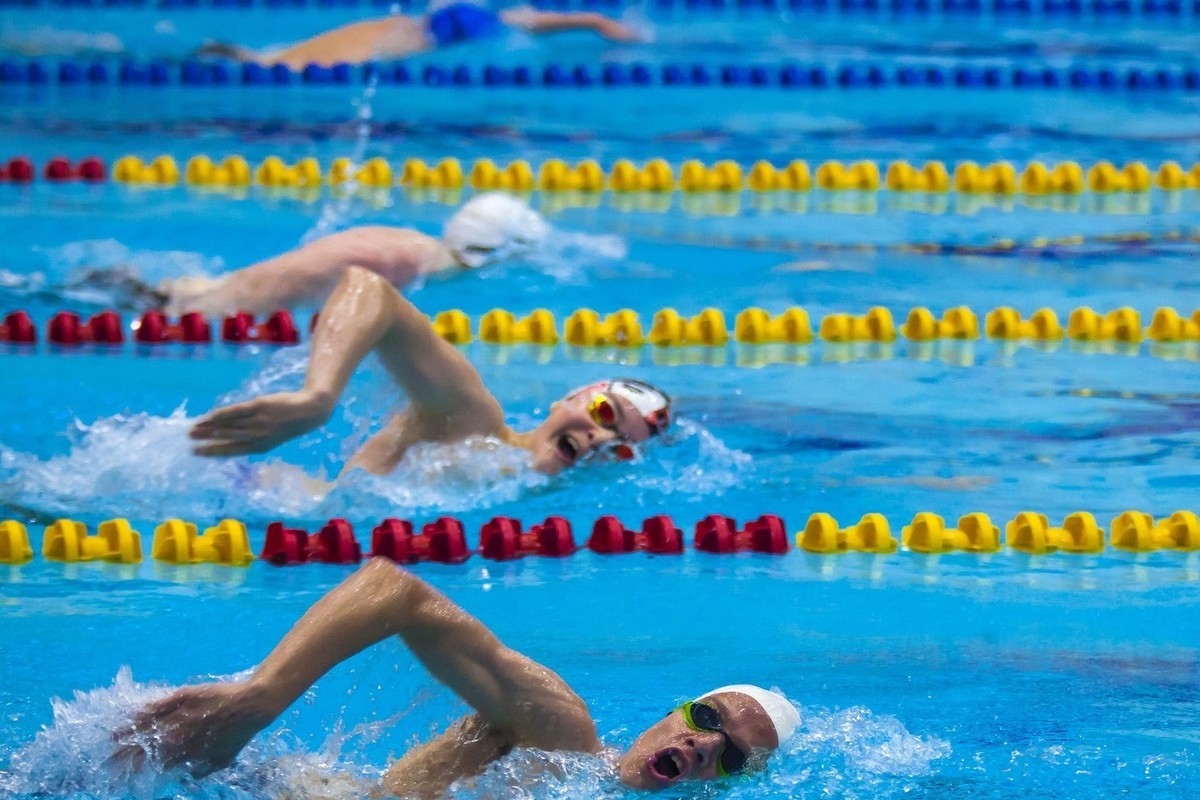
(232, 447)
(131, 756)
(240, 416)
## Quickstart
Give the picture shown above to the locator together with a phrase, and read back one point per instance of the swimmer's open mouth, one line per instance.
(668, 765)
(567, 450)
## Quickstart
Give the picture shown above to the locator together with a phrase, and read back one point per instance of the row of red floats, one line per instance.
(22, 170)
(444, 540)
(67, 328)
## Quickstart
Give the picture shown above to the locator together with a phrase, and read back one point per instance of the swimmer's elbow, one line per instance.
(357, 277)
(396, 592)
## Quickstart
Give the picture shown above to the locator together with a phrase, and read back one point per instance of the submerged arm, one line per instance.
(305, 276)
(527, 703)
(364, 313)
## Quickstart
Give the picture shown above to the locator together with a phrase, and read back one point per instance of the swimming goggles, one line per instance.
(650, 403)
(702, 717)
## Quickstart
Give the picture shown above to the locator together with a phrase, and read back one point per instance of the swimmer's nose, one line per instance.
(705, 750)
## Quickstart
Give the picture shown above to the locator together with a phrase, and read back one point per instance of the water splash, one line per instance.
(104, 273)
(71, 258)
(134, 465)
(73, 757)
(541, 775)
(852, 753)
(46, 40)
(691, 461)
(569, 257)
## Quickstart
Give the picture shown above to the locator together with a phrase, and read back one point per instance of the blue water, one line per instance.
(999, 676)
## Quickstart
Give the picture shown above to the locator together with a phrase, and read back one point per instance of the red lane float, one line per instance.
(279, 328)
(65, 328)
(155, 328)
(503, 539)
(61, 169)
(18, 328)
(658, 536)
(718, 534)
(442, 541)
(333, 544)
(17, 170)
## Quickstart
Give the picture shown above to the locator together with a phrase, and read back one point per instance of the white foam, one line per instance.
(150, 266)
(690, 461)
(852, 753)
(569, 257)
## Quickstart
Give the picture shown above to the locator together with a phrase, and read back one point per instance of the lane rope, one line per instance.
(505, 538)
(791, 77)
(1050, 8)
(655, 175)
(586, 327)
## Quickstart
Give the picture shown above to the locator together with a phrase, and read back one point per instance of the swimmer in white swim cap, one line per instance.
(489, 229)
(447, 401)
(493, 227)
(515, 701)
(721, 733)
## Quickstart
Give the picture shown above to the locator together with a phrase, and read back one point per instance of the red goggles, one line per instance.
(603, 412)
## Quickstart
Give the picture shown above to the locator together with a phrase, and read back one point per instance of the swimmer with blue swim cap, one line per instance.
(447, 401)
(400, 35)
(516, 702)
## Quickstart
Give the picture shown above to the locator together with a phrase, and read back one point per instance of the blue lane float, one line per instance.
(1056, 8)
(222, 74)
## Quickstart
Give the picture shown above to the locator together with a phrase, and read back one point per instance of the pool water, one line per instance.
(962, 675)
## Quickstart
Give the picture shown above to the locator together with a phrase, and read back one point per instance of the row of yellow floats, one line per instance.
(175, 542)
(587, 328)
(1028, 532)
(657, 175)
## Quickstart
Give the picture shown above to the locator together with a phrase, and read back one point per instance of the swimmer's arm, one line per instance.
(553, 22)
(305, 276)
(363, 314)
(527, 703)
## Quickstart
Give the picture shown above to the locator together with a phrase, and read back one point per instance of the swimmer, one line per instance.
(399, 35)
(488, 229)
(516, 701)
(447, 399)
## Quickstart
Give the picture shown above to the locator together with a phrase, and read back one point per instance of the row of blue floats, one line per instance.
(1099, 7)
(201, 73)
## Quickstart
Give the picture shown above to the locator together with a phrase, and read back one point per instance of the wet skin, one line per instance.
(569, 434)
(670, 752)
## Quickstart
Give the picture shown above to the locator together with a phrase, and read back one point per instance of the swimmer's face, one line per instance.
(570, 434)
(670, 751)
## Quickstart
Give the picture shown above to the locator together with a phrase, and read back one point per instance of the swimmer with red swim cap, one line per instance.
(447, 399)
(516, 702)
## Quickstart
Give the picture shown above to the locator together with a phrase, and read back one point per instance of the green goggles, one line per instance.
(702, 717)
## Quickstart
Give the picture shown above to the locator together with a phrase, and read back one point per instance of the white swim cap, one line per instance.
(782, 713)
(493, 227)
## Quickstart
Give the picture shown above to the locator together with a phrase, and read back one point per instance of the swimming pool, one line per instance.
(966, 675)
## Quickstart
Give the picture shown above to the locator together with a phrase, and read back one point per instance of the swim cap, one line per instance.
(782, 713)
(491, 228)
(652, 403)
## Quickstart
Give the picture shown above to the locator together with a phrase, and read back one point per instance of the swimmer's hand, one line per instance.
(258, 425)
(199, 728)
(617, 31)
